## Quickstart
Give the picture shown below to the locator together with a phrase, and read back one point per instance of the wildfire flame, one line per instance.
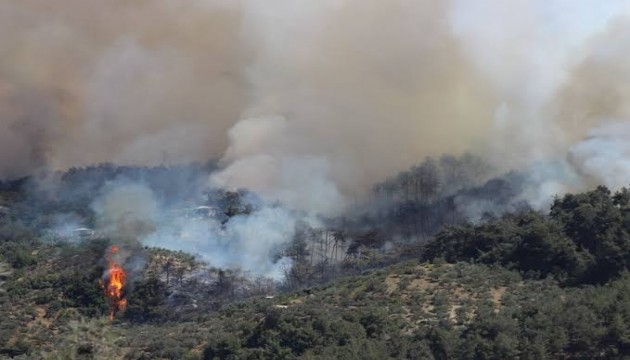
(114, 283)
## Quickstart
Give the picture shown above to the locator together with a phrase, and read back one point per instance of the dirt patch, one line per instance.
(392, 283)
(40, 319)
(496, 295)
(421, 284)
(297, 301)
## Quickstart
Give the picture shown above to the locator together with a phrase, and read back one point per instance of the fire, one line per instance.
(114, 283)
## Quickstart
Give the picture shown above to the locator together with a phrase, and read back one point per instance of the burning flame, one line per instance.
(114, 283)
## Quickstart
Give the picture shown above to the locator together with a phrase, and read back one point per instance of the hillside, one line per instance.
(409, 310)
(525, 285)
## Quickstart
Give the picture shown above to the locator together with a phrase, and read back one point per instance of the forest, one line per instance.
(412, 273)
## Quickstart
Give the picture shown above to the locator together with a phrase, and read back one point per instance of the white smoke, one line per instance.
(530, 51)
(604, 156)
(126, 210)
(129, 212)
(247, 242)
(309, 103)
(265, 157)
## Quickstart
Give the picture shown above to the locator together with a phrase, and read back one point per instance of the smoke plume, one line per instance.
(154, 82)
(144, 82)
(604, 157)
(126, 211)
(310, 103)
(130, 214)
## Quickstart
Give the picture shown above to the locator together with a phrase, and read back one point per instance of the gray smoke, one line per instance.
(130, 214)
(264, 157)
(310, 103)
(126, 211)
(560, 75)
(148, 82)
(604, 156)
(158, 82)
(247, 242)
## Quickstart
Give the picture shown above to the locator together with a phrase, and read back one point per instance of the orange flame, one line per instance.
(114, 283)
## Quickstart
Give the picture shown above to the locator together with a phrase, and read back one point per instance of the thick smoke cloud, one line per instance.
(560, 77)
(264, 157)
(143, 82)
(157, 81)
(591, 110)
(310, 103)
(364, 89)
(604, 157)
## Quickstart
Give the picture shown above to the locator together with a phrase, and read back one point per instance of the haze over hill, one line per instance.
(329, 96)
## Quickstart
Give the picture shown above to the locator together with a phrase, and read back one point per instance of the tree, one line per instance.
(598, 222)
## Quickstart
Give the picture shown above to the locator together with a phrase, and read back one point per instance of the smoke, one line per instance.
(264, 157)
(596, 89)
(310, 103)
(337, 104)
(357, 104)
(604, 157)
(159, 82)
(247, 242)
(148, 82)
(533, 53)
(126, 211)
(559, 76)
(65, 225)
(24, 128)
(591, 108)
(130, 214)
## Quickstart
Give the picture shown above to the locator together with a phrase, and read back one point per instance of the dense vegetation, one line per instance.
(525, 284)
(584, 239)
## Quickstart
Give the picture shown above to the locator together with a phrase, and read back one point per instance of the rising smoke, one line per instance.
(154, 82)
(311, 103)
(130, 214)
(143, 82)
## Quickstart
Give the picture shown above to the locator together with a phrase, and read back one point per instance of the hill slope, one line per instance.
(408, 310)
